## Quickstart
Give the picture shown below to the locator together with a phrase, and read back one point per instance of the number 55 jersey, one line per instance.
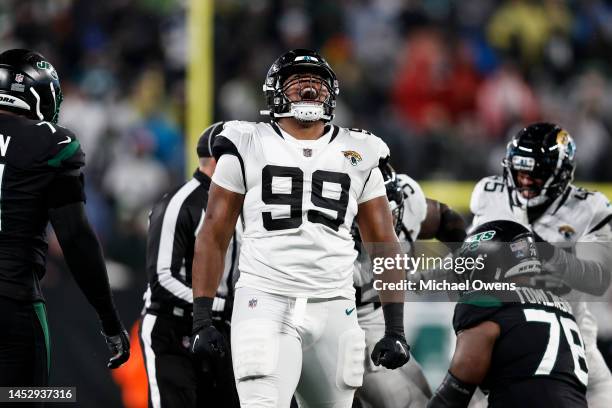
(301, 197)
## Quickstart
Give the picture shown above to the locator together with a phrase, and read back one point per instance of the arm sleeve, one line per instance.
(84, 257)
(66, 189)
(452, 227)
(228, 174)
(588, 271)
(374, 187)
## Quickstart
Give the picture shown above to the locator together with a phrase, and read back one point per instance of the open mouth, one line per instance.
(309, 94)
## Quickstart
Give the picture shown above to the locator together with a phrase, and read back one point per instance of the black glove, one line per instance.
(392, 351)
(119, 346)
(206, 341)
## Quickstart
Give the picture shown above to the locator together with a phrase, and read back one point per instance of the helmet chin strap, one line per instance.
(307, 111)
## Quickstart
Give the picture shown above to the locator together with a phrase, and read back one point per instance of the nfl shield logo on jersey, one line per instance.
(253, 303)
(19, 78)
(307, 152)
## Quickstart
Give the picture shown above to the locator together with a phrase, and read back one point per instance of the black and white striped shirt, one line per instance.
(174, 223)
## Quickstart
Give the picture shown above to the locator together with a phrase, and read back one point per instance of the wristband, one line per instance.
(394, 318)
(452, 393)
(202, 312)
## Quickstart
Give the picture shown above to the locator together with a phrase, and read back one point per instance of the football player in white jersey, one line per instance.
(416, 217)
(299, 182)
(536, 190)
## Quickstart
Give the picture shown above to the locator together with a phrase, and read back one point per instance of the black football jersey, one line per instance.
(39, 169)
(539, 350)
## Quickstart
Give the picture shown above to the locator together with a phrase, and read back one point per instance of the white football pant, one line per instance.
(281, 346)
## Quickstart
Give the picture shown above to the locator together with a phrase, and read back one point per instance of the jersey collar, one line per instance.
(326, 131)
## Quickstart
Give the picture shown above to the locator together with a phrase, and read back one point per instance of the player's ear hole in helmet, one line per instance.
(313, 77)
(506, 249)
(543, 154)
(29, 85)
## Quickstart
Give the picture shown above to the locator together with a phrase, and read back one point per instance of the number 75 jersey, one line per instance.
(301, 197)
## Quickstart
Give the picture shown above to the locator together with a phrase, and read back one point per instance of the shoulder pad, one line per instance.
(598, 204)
(64, 149)
(233, 139)
(475, 310)
(368, 146)
(486, 185)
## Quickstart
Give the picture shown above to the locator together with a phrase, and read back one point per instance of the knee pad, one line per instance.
(255, 345)
(351, 357)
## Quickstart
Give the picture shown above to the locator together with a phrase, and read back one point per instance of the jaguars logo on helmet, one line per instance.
(545, 151)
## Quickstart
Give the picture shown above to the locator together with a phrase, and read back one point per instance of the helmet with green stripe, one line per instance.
(29, 85)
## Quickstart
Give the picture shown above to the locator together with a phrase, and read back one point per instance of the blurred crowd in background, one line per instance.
(443, 82)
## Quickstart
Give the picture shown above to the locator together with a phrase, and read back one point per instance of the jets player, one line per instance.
(299, 182)
(41, 182)
(522, 344)
(536, 190)
(416, 217)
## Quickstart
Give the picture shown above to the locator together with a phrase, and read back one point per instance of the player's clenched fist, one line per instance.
(119, 346)
(206, 342)
(391, 351)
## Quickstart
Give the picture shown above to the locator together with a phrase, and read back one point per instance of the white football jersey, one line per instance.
(301, 197)
(573, 217)
(415, 207)
(415, 211)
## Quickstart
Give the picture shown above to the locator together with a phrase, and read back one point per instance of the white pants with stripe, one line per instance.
(281, 346)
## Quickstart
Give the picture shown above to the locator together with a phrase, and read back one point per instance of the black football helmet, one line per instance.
(275, 86)
(395, 195)
(29, 85)
(507, 250)
(544, 151)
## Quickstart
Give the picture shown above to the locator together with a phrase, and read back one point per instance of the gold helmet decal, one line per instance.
(562, 137)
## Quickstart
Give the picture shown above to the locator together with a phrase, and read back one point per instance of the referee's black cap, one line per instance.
(207, 138)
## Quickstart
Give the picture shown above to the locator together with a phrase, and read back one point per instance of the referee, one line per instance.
(175, 378)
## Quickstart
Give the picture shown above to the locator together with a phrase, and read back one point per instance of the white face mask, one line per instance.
(307, 111)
